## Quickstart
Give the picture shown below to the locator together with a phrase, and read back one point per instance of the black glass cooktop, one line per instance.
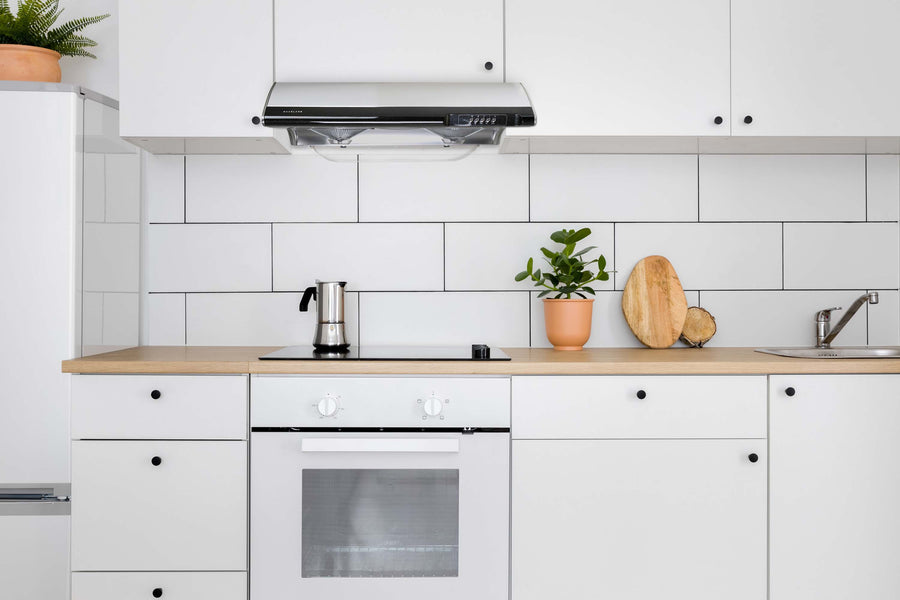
(474, 352)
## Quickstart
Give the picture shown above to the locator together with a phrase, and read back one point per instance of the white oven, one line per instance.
(379, 488)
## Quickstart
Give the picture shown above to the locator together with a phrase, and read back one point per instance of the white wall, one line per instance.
(430, 248)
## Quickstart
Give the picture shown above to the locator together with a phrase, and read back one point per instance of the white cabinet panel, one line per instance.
(400, 40)
(645, 67)
(639, 520)
(34, 557)
(561, 407)
(174, 586)
(207, 80)
(815, 67)
(186, 513)
(835, 488)
(159, 407)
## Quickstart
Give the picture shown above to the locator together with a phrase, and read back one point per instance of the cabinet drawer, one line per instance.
(159, 407)
(174, 586)
(638, 407)
(159, 506)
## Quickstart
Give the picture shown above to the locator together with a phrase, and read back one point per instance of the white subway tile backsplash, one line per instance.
(257, 320)
(209, 258)
(608, 326)
(111, 257)
(584, 187)
(705, 255)
(444, 318)
(166, 320)
(269, 189)
(477, 188)
(779, 318)
(487, 256)
(841, 255)
(883, 187)
(92, 319)
(782, 188)
(121, 319)
(884, 319)
(368, 256)
(123, 188)
(164, 177)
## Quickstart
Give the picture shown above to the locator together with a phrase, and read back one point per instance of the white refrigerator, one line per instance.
(69, 286)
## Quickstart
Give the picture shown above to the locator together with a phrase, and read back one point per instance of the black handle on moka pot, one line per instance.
(308, 293)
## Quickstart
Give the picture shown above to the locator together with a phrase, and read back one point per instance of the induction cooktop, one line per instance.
(474, 352)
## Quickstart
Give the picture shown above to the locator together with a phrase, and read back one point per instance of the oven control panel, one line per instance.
(279, 401)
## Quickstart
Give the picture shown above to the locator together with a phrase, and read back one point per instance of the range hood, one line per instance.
(336, 114)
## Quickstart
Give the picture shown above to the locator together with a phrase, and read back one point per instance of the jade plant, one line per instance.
(569, 273)
(33, 25)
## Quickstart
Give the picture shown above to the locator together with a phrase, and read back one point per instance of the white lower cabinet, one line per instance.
(159, 505)
(169, 586)
(835, 487)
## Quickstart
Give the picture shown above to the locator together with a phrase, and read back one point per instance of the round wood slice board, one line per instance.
(654, 302)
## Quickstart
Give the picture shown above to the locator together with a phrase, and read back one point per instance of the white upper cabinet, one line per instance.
(815, 68)
(613, 68)
(400, 40)
(193, 75)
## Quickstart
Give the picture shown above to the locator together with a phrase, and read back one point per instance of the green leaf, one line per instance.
(589, 290)
(569, 249)
(521, 276)
(537, 275)
(580, 294)
(603, 276)
(580, 252)
(530, 265)
(548, 253)
(578, 235)
(559, 236)
(544, 293)
(601, 262)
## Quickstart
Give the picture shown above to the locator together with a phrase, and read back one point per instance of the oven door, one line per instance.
(379, 516)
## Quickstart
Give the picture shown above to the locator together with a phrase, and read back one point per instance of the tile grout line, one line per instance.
(866, 184)
(272, 254)
(183, 190)
(782, 256)
(444, 253)
(185, 318)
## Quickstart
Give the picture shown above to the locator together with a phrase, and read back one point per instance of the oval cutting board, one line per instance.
(654, 302)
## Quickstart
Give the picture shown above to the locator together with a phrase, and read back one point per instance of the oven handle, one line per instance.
(379, 445)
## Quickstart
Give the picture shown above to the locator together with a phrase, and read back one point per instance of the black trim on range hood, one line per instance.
(413, 116)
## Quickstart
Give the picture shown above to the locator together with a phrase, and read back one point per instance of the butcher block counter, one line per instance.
(525, 361)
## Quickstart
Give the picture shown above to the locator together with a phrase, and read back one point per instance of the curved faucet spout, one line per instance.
(824, 334)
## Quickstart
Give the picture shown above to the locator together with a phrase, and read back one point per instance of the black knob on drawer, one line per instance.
(753, 457)
(748, 119)
(718, 120)
(488, 66)
(157, 592)
(156, 394)
(156, 461)
(641, 394)
(790, 391)
(255, 120)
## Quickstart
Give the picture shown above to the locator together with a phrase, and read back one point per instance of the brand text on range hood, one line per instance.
(457, 113)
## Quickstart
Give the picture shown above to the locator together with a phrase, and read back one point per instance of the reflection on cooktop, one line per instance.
(475, 352)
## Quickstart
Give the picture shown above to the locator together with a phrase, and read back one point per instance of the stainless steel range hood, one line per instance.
(319, 114)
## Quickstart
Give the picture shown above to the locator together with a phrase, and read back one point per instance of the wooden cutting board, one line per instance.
(654, 302)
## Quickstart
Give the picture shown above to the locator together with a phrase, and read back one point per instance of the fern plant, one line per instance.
(33, 25)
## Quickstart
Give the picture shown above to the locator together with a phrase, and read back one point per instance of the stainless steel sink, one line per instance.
(842, 352)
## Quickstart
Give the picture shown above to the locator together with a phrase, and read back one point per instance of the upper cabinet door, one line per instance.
(198, 69)
(400, 40)
(608, 67)
(815, 67)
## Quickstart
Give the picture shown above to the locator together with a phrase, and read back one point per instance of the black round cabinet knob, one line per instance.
(156, 461)
(256, 121)
(718, 120)
(641, 394)
(748, 119)
(157, 592)
(488, 65)
(156, 394)
(790, 391)
(753, 458)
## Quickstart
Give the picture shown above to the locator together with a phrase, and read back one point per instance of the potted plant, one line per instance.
(567, 319)
(30, 47)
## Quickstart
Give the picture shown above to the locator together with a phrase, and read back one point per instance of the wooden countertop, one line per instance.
(525, 361)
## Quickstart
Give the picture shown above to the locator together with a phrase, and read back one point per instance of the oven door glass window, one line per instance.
(380, 523)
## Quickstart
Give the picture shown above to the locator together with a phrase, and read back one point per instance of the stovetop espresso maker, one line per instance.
(329, 296)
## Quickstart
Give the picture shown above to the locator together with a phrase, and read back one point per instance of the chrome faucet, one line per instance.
(824, 334)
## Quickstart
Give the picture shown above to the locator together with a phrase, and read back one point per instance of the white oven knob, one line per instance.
(433, 406)
(327, 406)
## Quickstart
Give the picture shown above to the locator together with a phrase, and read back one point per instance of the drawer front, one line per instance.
(186, 513)
(159, 407)
(611, 407)
(174, 586)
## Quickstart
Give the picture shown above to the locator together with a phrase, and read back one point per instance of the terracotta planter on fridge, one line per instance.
(568, 322)
(29, 63)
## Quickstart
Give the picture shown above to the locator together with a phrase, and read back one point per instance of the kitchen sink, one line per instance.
(842, 352)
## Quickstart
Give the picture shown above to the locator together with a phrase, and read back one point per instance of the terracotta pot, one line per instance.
(568, 322)
(29, 63)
